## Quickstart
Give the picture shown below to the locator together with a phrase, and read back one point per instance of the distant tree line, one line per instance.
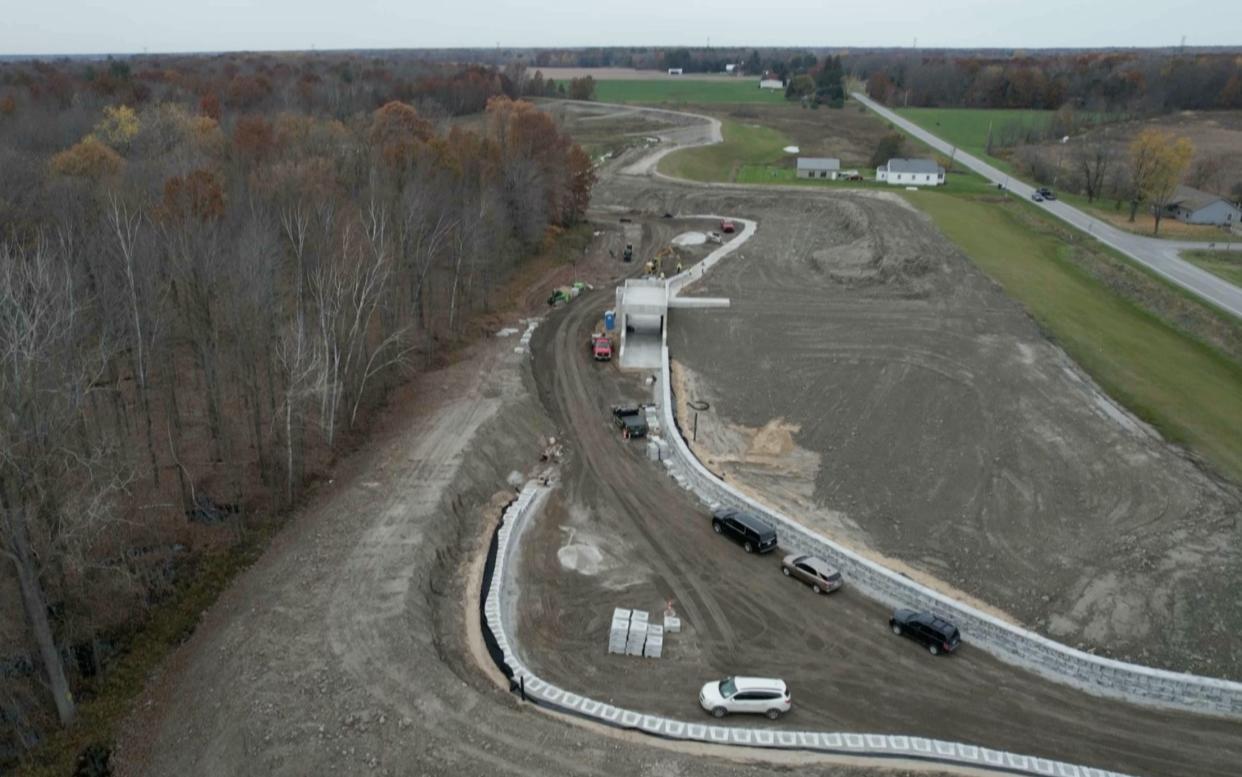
(212, 271)
(1131, 82)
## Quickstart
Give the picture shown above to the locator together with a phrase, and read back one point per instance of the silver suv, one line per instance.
(746, 694)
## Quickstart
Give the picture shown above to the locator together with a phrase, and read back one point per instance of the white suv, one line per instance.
(746, 694)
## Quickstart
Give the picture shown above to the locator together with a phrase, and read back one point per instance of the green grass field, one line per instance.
(967, 128)
(1189, 391)
(1227, 266)
(690, 90)
(744, 145)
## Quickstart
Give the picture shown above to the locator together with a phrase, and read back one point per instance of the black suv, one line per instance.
(744, 528)
(630, 420)
(935, 634)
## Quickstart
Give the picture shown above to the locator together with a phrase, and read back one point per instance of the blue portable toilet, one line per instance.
(610, 320)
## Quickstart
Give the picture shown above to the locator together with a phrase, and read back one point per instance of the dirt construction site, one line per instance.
(866, 379)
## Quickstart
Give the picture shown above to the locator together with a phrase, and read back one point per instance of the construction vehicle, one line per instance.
(567, 293)
(631, 420)
(601, 347)
(656, 265)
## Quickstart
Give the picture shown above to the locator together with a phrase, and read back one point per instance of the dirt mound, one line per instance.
(774, 439)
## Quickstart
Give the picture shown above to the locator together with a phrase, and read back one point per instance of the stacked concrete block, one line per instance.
(654, 646)
(638, 633)
(619, 632)
(672, 624)
(653, 421)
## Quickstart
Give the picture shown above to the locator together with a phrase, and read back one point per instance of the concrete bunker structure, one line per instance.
(642, 310)
(642, 315)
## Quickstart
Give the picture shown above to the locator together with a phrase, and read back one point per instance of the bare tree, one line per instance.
(347, 290)
(1208, 172)
(296, 359)
(1093, 156)
(124, 225)
(56, 483)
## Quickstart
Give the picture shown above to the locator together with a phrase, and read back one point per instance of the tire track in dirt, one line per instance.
(579, 416)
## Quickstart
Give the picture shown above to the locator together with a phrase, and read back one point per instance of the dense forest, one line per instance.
(212, 271)
(1133, 82)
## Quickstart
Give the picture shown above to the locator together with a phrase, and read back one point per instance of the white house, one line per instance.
(911, 172)
(818, 167)
(771, 83)
(1195, 207)
(675, 71)
(730, 69)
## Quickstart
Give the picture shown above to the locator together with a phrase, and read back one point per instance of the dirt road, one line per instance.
(620, 533)
(345, 649)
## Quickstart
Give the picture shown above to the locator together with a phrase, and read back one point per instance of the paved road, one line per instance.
(1160, 256)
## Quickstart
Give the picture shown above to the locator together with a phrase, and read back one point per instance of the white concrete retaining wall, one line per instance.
(696, 271)
(1015, 645)
(498, 610)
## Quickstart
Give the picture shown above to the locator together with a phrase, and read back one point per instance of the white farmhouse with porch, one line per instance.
(911, 172)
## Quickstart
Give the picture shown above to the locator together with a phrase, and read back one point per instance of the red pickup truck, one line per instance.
(601, 347)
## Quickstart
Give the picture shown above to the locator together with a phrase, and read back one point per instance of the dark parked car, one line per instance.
(747, 529)
(932, 632)
(630, 420)
(1045, 193)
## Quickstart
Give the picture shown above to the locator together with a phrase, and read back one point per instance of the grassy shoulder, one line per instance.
(1227, 265)
(675, 91)
(1188, 390)
(744, 145)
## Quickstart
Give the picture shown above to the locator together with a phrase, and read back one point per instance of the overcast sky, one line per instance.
(129, 26)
